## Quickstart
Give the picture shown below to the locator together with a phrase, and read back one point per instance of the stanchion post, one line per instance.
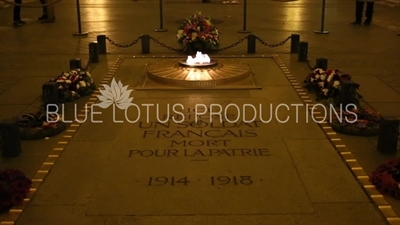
(321, 63)
(145, 39)
(303, 51)
(75, 64)
(93, 52)
(244, 19)
(161, 29)
(346, 94)
(101, 41)
(251, 43)
(388, 135)
(294, 43)
(11, 146)
(78, 11)
(322, 31)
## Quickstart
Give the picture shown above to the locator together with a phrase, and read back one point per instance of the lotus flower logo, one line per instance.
(116, 94)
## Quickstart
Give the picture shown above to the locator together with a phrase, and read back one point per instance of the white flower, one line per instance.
(68, 81)
(312, 79)
(82, 83)
(88, 74)
(330, 77)
(325, 91)
(322, 77)
(66, 74)
(116, 94)
(73, 93)
(317, 77)
(321, 84)
(77, 86)
(336, 84)
(319, 71)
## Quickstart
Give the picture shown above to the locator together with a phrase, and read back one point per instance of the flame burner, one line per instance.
(200, 60)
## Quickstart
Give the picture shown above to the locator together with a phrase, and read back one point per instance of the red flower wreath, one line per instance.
(386, 178)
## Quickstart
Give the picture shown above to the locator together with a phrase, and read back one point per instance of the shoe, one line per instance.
(367, 23)
(19, 23)
(356, 23)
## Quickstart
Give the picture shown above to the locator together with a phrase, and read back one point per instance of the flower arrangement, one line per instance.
(386, 178)
(74, 84)
(39, 125)
(198, 33)
(13, 188)
(327, 85)
(357, 121)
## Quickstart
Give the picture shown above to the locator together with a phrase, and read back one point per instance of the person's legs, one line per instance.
(17, 14)
(44, 15)
(359, 10)
(369, 12)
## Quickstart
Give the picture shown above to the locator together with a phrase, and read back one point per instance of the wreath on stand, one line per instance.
(74, 84)
(386, 178)
(358, 122)
(14, 186)
(39, 125)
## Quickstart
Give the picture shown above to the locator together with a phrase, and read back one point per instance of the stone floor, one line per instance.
(294, 182)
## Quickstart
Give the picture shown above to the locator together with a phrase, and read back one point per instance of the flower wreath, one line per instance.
(38, 125)
(13, 188)
(359, 122)
(74, 84)
(199, 32)
(386, 178)
(327, 85)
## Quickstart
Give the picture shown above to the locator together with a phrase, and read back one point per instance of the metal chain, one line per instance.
(165, 46)
(273, 45)
(124, 46)
(232, 45)
(308, 61)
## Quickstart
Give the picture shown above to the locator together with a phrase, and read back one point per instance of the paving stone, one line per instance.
(321, 185)
(385, 94)
(86, 162)
(44, 215)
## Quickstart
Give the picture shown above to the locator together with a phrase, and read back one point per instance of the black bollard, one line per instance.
(321, 63)
(75, 64)
(244, 19)
(101, 41)
(251, 43)
(303, 51)
(50, 96)
(347, 93)
(10, 138)
(322, 31)
(78, 11)
(294, 43)
(93, 52)
(145, 39)
(161, 29)
(388, 135)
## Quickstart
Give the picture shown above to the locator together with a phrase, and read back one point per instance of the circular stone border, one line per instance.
(33, 133)
(195, 83)
(356, 131)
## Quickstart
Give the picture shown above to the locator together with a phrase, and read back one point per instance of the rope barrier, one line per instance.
(30, 6)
